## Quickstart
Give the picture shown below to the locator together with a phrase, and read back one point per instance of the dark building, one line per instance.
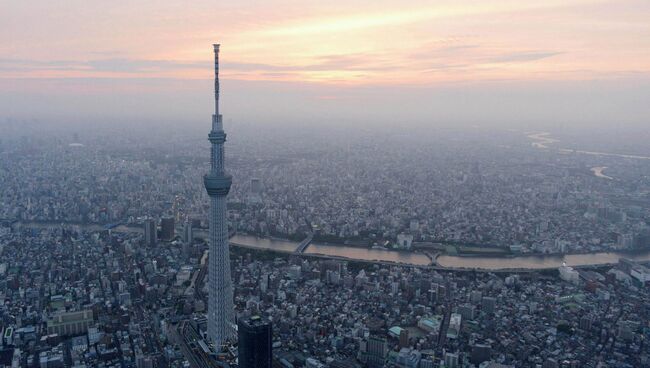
(586, 322)
(6, 357)
(150, 234)
(404, 338)
(255, 338)
(377, 349)
(480, 353)
(167, 228)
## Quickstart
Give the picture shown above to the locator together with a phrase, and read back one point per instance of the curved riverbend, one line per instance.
(478, 262)
(599, 172)
(538, 262)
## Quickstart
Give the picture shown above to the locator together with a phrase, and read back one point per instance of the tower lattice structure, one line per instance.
(221, 319)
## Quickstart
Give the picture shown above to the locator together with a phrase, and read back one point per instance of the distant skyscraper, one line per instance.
(255, 339)
(255, 196)
(256, 186)
(188, 233)
(167, 228)
(188, 237)
(150, 233)
(221, 314)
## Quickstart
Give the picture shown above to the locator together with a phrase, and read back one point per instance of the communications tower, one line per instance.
(217, 182)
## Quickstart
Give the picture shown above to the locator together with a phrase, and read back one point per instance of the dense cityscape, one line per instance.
(393, 184)
(74, 298)
(495, 191)
(75, 251)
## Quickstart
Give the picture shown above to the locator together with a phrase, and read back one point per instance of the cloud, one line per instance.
(130, 65)
(125, 65)
(523, 56)
(140, 65)
(402, 16)
(443, 49)
(445, 67)
(346, 62)
(251, 67)
(32, 65)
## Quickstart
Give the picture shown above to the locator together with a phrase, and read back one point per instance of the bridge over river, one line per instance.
(520, 262)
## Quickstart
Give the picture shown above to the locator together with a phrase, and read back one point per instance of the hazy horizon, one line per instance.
(602, 105)
(559, 65)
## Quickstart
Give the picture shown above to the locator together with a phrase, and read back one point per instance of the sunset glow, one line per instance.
(332, 42)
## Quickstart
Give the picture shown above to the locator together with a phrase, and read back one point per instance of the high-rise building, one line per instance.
(255, 343)
(467, 311)
(188, 234)
(488, 304)
(167, 228)
(586, 322)
(256, 186)
(480, 353)
(454, 326)
(186, 250)
(217, 183)
(70, 323)
(404, 338)
(150, 233)
(255, 195)
(451, 360)
(475, 297)
(377, 351)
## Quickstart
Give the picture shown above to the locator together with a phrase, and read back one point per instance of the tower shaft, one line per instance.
(221, 315)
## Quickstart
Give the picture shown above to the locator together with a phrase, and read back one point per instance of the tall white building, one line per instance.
(221, 319)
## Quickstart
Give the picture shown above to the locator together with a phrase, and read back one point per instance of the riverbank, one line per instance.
(543, 140)
(432, 258)
(540, 262)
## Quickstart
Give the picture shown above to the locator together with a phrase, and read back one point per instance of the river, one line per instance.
(332, 250)
(593, 153)
(531, 262)
(252, 241)
(366, 254)
(538, 261)
(598, 171)
(543, 140)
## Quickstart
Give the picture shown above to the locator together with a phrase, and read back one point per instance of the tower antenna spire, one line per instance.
(216, 78)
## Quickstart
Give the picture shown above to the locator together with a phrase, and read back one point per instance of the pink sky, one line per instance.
(334, 41)
(330, 43)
